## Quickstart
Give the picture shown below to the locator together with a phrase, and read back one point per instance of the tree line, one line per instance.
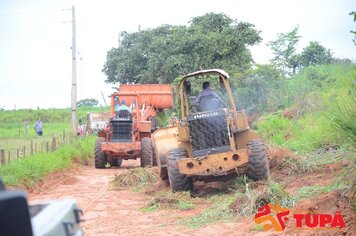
(162, 54)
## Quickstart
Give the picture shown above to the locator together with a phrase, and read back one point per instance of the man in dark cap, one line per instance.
(208, 99)
(123, 110)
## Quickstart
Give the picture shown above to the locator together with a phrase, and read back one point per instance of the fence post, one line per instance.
(42, 146)
(31, 147)
(54, 144)
(64, 136)
(36, 148)
(47, 146)
(17, 154)
(9, 157)
(71, 138)
(2, 156)
(24, 151)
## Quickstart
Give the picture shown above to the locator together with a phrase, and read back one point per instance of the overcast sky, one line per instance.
(36, 38)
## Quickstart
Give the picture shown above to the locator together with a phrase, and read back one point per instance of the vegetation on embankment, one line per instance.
(322, 111)
(32, 169)
(320, 126)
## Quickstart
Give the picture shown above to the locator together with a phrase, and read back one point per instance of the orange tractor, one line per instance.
(129, 136)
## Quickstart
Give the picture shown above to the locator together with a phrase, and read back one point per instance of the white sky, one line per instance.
(35, 54)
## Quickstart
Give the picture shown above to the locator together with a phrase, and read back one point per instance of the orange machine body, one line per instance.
(145, 100)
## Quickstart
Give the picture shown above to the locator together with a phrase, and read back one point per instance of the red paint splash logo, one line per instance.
(273, 216)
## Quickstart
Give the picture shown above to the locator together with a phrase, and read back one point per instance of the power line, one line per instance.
(32, 25)
(28, 12)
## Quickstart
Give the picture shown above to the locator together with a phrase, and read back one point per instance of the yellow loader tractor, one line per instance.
(211, 139)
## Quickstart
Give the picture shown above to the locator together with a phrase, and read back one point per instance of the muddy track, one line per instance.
(117, 212)
(109, 211)
(106, 211)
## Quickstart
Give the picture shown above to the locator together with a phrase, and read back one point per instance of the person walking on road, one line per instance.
(39, 127)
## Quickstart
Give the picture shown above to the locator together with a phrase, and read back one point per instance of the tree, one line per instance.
(88, 102)
(261, 90)
(315, 54)
(160, 55)
(284, 50)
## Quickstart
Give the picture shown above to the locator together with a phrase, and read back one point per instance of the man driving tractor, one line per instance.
(208, 99)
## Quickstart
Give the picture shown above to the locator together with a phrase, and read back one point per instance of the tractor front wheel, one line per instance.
(258, 168)
(100, 158)
(146, 152)
(179, 182)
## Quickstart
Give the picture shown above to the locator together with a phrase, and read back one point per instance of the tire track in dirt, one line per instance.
(106, 211)
(117, 212)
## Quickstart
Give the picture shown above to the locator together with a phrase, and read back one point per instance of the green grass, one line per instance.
(306, 134)
(30, 170)
(56, 123)
(17, 130)
(219, 211)
(342, 116)
(307, 192)
(243, 201)
(33, 168)
(167, 200)
(24, 145)
(323, 98)
(47, 115)
(314, 190)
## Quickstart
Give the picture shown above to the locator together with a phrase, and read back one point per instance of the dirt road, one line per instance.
(117, 212)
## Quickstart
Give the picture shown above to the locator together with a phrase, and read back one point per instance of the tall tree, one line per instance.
(284, 50)
(315, 54)
(159, 55)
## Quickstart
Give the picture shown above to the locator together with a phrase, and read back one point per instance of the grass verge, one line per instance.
(32, 169)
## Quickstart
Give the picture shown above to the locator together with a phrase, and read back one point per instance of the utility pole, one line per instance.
(74, 76)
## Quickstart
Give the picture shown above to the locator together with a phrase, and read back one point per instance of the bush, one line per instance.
(342, 116)
(274, 128)
(323, 98)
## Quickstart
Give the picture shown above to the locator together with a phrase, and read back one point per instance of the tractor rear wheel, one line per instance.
(116, 162)
(179, 182)
(146, 152)
(100, 158)
(258, 168)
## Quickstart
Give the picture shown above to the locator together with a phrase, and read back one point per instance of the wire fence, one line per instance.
(35, 147)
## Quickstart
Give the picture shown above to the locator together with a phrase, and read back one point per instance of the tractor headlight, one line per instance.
(183, 123)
